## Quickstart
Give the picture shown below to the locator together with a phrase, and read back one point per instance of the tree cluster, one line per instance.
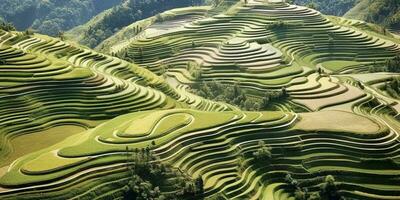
(235, 95)
(328, 189)
(149, 176)
(393, 88)
(51, 16)
(384, 12)
(329, 7)
(390, 65)
(7, 26)
(195, 70)
(263, 153)
(279, 24)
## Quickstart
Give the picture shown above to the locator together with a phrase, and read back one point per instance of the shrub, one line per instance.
(277, 25)
(263, 152)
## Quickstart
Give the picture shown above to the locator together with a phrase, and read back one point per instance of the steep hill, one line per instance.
(109, 22)
(383, 12)
(52, 16)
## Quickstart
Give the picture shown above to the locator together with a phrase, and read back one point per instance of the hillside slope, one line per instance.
(51, 17)
(46, 82)
(383, 12)
(109, 22)
(328, 7)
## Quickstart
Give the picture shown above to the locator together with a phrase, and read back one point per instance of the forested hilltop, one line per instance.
(328, 7)
(51, 16)
(383, 12)
(111, 21)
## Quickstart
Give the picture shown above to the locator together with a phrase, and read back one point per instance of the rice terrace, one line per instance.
(194, 99)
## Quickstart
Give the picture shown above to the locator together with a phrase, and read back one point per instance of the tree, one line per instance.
(241, 163)
(291, 181)
(29, 31)
(199, 187)
(329, 189)
(7, 26)
(284, 92)
(312, 5)
(263, 152)
(194, 70)
(61, 35)
(3, 62)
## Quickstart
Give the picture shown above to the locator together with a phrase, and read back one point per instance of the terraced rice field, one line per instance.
(349, 127)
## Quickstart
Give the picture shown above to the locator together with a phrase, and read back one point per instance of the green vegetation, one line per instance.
(390, 65)
(328, 7)
(7, 26)
(52, 16)
(263, 153)
(239, 100)
(393, 88)
(130, 11)
(149, 179)
(235, 95)
(383, 12)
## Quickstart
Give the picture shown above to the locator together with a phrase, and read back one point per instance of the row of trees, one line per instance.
(279, 24)
(235, 95)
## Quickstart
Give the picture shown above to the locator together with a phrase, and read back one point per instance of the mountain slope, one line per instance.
(383, 12)
(109, 22)
(328, 7)
(53, 16)
(46, 82)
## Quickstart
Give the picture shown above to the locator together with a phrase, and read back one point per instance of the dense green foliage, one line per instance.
(393, 88)
(51, 16)
(127, 13)
(7, 26)
(236, 95)
(328, 189)
(329, 7)
(390, 65)
(149, 176)
(383, 12)
(263, 153)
